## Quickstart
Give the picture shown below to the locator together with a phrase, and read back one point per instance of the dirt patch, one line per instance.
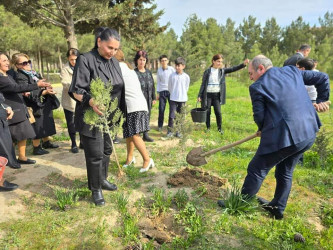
(203, 182)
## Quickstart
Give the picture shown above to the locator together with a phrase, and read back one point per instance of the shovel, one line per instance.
(196, 157)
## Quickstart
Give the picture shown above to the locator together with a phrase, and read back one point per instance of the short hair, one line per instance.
(105, 34)
(261, 59)
(306, 63)
(304, 47)
(138, 54)
(180, 60)
(163, 56)
(72, 52)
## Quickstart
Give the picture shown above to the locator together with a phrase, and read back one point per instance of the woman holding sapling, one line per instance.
(98, 63)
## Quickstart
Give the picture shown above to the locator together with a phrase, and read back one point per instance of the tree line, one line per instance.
(45, 29)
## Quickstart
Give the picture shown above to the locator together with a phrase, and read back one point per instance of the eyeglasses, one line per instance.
(24, 63)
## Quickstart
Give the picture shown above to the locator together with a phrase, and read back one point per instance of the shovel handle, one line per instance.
(230, 145)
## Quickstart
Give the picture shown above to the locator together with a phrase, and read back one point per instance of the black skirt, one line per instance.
(136, 122)
(44, 125)
(22, 131)
(6, 145)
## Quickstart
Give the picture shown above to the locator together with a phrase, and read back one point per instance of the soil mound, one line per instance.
(204, 183)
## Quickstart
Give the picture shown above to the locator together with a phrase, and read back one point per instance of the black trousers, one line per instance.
(173, 108)
(213, 99)
(164, 98)
(69, 115)
(97, 152)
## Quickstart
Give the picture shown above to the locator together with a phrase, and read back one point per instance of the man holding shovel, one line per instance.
(287, 123)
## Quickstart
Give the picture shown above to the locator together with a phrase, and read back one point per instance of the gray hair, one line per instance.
(261, 59)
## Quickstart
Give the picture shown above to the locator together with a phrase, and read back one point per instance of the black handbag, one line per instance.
(55, 103)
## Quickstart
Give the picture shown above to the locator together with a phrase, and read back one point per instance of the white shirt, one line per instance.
(135, 100)
(163, 78)
(178, 86)
(213, 81)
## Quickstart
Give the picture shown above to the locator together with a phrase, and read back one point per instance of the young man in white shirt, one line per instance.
(163, 95)
(179, 83)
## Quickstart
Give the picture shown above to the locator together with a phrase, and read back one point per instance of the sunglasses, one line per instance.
(25, 63)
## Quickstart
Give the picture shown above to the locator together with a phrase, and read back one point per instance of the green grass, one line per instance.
(204, 224)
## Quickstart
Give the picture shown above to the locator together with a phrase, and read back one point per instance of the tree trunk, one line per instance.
(39, 56)
(69, 29)
(42, 64)
(60, 60)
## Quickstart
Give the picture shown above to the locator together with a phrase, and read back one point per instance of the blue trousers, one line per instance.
(285, 161)
(163, 99)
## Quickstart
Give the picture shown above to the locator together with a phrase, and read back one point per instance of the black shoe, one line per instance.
(39, 151)
(98, 198)
(106, 185)
(147, 138)
(28, 161)
(116, 140)
(74, 150)
(16, 166)
(221, 203)
(7, 186)
(48, 144)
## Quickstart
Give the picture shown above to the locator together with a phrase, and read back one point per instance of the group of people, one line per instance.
(286, 117)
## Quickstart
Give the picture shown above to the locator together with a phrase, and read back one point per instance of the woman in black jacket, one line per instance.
(98, 63)
(147, 83)
(213, 89)
(39, 100)
(19, 125)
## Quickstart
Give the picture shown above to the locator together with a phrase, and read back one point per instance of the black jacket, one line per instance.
(90, 66)
(293, 59)
(205, 79)
(147, 86)
(11, 91)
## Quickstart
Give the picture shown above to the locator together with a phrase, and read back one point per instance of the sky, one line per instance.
(285, 11)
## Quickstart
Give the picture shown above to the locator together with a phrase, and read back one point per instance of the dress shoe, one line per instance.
(133, 161)
(221, 203)
(15, 166)
(273, 210)
(48, 144)
(116, 140)
(147, 138)
(108, 186)
(98, 198)
(150, 165)
(39, 151)
(7, 186)
(74, 150)
(27, 161)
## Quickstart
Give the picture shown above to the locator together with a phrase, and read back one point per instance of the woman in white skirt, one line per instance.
(137, 117)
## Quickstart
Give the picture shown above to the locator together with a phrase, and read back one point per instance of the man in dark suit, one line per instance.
(287, 123)
(302, 52)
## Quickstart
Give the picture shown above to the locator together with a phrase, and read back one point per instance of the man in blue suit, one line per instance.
(287, 123)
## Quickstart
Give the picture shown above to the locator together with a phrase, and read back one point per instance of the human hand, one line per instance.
(26, 94)
(10, 113)
(42, 83)
(94, 107)
(199, 99)
(246, 61)
(154, 102)
(322, 106)
(259, 133)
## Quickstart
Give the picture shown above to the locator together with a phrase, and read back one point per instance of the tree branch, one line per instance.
(58, 4)
(47, 10)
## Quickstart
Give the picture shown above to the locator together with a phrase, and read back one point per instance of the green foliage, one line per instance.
(161, 201)
(183, 126)
(326, 214)
(181, 198)
(122, 202)
(238, 204)
(66, 198)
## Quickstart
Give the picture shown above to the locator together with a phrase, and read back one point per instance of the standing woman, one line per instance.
(213, 89)
(19, 126)
(67, 102)
(40, 101)
(147, 83)
(99, 62)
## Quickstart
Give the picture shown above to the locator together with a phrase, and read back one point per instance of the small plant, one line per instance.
(182, 127)
(101, 230)
(181, 198)
(61, 137)
(101, 93)
(237, 203)
(201, 190)
(122, 202)
(326, 214)
(130, 228)
(193, 222)
(323, 148)
(223, 224)
(65, 198)
(162, 202)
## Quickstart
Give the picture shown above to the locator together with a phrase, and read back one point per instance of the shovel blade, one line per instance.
(194, 157)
